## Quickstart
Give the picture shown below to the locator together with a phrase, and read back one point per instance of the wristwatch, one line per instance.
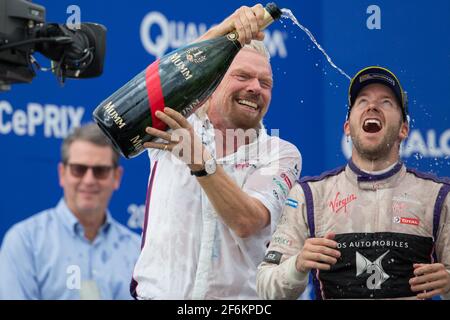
(210, 168)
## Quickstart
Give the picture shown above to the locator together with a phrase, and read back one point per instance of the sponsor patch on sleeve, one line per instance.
(273, 257)
(291, 203)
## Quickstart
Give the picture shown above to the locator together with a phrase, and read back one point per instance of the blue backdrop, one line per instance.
(309, 100)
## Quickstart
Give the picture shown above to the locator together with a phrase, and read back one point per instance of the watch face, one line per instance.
(210, 166)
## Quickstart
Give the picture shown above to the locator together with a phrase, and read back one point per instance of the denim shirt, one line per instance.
(47, 257)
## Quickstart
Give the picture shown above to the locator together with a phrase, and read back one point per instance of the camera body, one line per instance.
(75, 52)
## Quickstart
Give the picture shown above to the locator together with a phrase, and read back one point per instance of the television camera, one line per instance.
(76, 52)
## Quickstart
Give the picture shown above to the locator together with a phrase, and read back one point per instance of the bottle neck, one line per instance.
(267, 20)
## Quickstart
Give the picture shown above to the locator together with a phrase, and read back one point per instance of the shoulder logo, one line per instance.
(291, 203)
(287, 180)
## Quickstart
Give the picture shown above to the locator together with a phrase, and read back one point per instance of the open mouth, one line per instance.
(249, 104)
(372, 125)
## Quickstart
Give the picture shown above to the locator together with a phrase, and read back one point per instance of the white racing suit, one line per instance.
(383, 223)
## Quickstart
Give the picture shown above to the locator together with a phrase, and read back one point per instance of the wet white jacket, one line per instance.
(188, 252)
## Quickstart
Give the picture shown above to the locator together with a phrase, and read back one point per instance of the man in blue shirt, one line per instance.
(75, 250)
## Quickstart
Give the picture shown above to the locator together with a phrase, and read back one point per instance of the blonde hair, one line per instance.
(260, 47)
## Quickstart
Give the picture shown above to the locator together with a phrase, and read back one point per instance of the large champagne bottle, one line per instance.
(183, 79)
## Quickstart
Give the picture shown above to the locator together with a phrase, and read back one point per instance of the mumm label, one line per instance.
(111, 110)
(176, 60)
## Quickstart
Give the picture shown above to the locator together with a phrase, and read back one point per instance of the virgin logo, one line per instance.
(340, 203)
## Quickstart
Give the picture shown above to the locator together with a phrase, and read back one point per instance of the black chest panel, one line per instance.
(374, 265)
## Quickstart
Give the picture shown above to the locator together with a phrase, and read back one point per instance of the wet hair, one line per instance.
(260, 47)
(90, 133)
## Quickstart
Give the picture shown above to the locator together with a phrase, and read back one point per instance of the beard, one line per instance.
(246, 123)
(380, 150)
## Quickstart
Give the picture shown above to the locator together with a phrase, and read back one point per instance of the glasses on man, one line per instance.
(79, 170)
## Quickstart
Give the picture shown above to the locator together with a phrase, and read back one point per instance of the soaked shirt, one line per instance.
(47, 257)
(383, 224)
(188, 252)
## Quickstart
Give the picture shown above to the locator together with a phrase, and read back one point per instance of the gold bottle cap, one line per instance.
(267, 20)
